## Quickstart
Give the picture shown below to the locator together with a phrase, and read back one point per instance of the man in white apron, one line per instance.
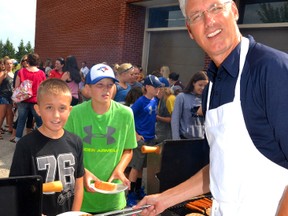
(246, 118)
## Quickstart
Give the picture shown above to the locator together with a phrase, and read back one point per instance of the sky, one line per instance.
(18, 21)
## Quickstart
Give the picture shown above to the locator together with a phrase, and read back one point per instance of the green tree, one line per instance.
(270, 14)
(8, 49)
(21, 51)
(29, 48)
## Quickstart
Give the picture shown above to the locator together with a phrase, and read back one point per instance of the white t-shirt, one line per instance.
(84, 70)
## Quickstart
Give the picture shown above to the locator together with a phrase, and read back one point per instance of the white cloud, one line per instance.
(18, 19)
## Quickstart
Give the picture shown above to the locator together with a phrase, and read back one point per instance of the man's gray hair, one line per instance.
(182, 5)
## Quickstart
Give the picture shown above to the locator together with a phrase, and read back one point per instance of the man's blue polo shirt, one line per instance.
(264, 96)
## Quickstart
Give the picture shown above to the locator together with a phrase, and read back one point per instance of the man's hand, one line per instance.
(156, 202)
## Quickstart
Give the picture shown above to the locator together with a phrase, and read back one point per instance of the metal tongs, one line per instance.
(126, 211)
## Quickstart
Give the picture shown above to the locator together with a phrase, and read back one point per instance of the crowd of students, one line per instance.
(115, 111)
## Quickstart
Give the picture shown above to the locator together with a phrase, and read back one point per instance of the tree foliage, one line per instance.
(270, 14)
(21, 50)
(7, 49)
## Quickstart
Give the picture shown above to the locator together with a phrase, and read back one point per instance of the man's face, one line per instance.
(215, 30)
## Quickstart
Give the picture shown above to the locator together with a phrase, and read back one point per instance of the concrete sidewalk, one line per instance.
(6, 153)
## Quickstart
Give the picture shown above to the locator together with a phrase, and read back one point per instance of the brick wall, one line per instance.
(94, 31)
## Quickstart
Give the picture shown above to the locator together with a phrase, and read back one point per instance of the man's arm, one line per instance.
(194, 186)
(283, 205)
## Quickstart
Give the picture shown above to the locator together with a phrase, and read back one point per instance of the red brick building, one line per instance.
(150, 33)
(93, 31)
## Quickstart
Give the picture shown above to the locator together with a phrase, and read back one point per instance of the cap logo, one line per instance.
(103, 69)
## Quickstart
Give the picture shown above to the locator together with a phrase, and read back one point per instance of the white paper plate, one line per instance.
(72, 213)
(119, 188)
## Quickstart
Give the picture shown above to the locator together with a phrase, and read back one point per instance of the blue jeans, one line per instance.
(23, 109)
(4, 100)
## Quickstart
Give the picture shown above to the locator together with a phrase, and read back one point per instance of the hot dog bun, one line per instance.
(107, 186)
(55, 186)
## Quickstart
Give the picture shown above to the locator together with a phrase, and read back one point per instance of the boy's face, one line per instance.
(101, 92)
(151, 90)
(54, 111)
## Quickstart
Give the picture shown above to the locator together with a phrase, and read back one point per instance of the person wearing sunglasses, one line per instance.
(245, 108)
(30, 118)
(34, 74)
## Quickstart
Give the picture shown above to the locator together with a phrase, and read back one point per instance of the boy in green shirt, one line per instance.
(108, 134)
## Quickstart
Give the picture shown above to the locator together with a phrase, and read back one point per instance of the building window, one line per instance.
(165, 17)
(263, 11)
(250, 12)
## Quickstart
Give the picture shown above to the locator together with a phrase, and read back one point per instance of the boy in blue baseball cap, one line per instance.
(144, 110)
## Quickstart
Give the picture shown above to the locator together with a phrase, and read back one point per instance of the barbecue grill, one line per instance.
(178, 160)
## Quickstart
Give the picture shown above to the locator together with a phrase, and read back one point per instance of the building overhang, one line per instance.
(155, 3)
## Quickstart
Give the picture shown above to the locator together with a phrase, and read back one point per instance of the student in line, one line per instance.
(52, 152)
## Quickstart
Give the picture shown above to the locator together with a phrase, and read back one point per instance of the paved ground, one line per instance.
(6, 153)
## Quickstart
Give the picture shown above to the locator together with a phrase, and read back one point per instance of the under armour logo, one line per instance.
(90, 135)
(150, 108)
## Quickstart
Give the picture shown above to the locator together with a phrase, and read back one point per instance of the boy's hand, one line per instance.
(121, 176)
(139, 137)
(88, 179)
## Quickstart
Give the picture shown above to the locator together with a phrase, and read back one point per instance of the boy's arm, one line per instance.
(118, 172)
(138, 137)
(78, 197)
(21, 162)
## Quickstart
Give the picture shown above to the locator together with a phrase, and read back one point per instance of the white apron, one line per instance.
(243, 182)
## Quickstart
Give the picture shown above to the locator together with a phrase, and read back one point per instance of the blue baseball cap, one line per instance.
(153, 81)
(99, 72)
(164, 81)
